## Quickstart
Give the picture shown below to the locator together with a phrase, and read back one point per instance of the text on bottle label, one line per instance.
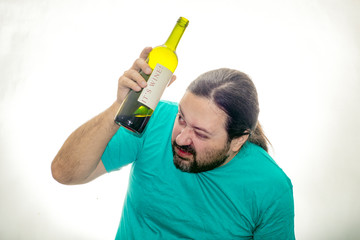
(156, 84)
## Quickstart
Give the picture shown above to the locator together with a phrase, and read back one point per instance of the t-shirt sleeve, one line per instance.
(278, 220)
(121, 150)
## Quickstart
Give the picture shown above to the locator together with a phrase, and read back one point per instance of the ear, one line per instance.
(237, 143)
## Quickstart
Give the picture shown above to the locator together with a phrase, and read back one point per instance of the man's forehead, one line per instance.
(200, 127)
(202, 112)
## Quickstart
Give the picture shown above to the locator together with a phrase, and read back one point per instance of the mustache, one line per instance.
(186, 148)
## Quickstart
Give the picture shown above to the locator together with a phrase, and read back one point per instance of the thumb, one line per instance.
(173, 78)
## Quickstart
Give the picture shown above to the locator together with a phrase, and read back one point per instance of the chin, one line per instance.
(181, 164)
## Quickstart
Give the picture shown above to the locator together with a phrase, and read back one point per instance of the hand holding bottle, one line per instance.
(138, 105)
(132, 79)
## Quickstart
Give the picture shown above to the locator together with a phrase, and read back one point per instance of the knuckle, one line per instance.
(126, 73)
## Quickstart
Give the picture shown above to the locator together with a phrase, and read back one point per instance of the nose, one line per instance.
(184, 137)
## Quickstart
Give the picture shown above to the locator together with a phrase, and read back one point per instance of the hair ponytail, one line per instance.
(257, 136)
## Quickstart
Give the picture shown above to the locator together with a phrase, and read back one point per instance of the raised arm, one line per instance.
(79, 159)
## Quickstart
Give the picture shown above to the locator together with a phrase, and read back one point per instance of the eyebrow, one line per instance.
(195, 127)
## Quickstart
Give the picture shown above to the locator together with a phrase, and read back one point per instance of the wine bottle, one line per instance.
(137, 108)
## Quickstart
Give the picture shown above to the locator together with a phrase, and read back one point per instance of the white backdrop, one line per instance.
(59, 65)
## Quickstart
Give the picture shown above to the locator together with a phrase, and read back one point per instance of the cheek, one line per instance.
(199, 147)
(204, 150)
(175, 131)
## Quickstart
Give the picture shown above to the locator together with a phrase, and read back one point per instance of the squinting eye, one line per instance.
(201, 135)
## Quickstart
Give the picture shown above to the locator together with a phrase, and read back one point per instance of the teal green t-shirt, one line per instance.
(248, 198)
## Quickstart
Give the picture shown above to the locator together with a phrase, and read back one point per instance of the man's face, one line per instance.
(199, 139)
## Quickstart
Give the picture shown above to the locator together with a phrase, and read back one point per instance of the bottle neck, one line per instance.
(176, 33)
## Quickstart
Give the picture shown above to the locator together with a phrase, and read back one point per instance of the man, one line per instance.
(201, 169)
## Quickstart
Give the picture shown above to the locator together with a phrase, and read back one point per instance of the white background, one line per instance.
(59, 65)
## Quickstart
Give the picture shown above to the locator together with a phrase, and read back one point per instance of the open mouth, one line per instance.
(183, 153)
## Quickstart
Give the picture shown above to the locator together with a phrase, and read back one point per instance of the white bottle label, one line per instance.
(156, 84)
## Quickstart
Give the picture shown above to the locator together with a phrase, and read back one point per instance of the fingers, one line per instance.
(133, 74)
(145, 52)
(132, 79)
(141, 62)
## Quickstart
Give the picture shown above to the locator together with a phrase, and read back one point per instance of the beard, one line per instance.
(196, 163)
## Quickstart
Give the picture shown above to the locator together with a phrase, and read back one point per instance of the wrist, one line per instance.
(110, 114)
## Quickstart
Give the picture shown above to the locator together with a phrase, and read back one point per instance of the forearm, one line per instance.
(81, 153)
(78, 160)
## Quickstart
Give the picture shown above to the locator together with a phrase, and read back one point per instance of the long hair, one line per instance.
(234, 93)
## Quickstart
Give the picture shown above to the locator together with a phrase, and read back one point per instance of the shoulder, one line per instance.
(164, 111)
(163, 118)
(263, 167)
(167, 107)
